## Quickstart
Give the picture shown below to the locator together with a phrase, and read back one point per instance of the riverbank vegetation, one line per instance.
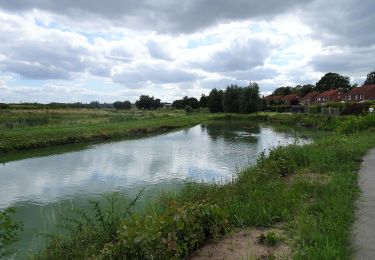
(25, 129)
(308, 190)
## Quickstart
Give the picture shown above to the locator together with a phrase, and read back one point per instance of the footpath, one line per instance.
(364, 226)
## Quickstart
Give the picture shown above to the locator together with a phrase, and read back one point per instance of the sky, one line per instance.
(86, 50)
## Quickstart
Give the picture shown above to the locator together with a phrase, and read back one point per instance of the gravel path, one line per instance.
(364, 226)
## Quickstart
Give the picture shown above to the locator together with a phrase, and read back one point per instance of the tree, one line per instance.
(147, 102)
(303, 90)
(333, 81)
(370, 78)
(250, 101)
(233, 96)
(282, 91)
(186, 101)
(215, 101)
(122, 105)
(203, 101)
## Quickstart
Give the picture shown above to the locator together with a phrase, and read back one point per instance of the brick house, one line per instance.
(270, 98)
(361, 93)
(333, 95)
(310, 98)
(290, 99)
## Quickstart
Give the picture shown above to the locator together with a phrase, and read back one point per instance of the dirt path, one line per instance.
(364, 227)
(244, 244)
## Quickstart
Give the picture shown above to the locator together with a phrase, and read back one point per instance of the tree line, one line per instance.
(329, 81)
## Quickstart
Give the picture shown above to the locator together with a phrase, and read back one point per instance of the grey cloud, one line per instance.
(159, 74)
(42, 59)
(356, 61)
(240, 56)
(342, 22)
(163, 15)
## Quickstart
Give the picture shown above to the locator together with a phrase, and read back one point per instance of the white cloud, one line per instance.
(109, 50)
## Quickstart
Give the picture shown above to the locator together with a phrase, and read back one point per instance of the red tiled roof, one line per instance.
(311, 95)
(271, 97)
(328, 93)
(362, 90)
(290, 97)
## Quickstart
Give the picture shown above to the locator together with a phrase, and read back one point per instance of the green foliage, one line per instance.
(188, 109)
(10, 120)
(122, 105)
(242, 99)
(370, 78)
(279, 162)
(356, 124)
(203, 101)
(282, 91)
(215, 101)
(186, 101)
(333, 81)
(270, 239)
(8, 230)
(172, 232)
(147, 102)
(303, 90)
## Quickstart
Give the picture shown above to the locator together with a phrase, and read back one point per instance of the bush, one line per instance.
(357, 124)
(279, 162)
(8, 230)
(188, 109)
(356, 109)
(115, 232)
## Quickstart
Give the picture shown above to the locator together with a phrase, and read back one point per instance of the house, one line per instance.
(310, 98)
(332, 95)
(361, 93)
(291, 99)
(272, 99)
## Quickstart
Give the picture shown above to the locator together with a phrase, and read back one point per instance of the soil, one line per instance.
(244, 244)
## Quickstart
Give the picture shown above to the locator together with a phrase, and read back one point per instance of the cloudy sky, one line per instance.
(83, 50)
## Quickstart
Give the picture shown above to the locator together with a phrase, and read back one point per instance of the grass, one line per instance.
(311, 189)
(20, 130)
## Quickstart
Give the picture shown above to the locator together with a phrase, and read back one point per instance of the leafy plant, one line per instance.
(8, 230)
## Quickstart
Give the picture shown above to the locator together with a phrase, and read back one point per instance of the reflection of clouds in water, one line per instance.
(201, 152)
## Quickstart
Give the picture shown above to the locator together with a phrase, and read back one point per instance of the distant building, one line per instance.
(167, 105)
(310, 98)
(360, 94)
(291, 99)
(269, 99)
(332, 95)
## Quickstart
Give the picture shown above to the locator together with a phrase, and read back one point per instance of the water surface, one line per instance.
(41, 188)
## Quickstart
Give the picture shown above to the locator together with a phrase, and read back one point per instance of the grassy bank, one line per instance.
(20, 130)
(28, 129)
(309, 189)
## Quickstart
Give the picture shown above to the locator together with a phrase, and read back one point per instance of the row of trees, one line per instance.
(328, 81)
(235, 99)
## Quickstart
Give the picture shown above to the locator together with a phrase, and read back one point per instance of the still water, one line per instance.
(41, 188)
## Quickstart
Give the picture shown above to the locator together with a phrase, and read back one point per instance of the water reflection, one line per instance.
(40, 186)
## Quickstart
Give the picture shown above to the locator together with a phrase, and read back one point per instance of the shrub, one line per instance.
(170, 232)
(279, 162)
(188, 109)
(8, 230)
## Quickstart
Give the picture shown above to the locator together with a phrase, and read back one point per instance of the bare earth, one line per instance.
(243, 244)
(364, 227)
